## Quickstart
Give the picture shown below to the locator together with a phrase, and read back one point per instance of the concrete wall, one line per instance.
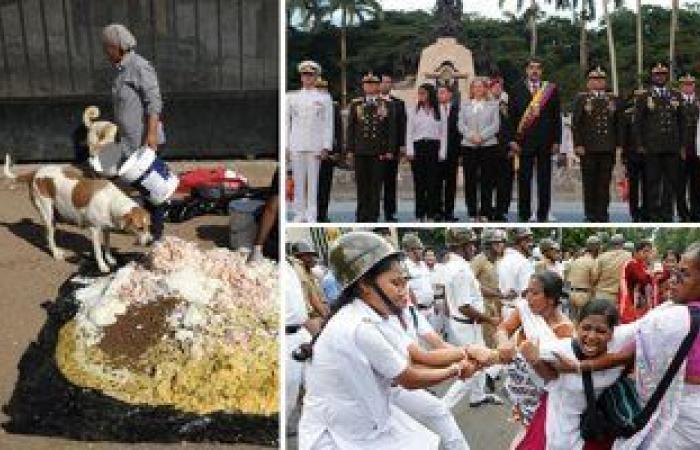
(217, 62)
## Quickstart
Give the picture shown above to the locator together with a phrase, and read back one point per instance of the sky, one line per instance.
(489, 8)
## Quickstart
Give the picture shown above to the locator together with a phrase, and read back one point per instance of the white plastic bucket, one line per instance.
(242, 225)
(106, 161)
(145, 169)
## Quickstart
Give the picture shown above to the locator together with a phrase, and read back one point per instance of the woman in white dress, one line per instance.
(355, 359)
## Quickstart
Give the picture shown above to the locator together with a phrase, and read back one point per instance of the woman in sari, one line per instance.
(537, 319)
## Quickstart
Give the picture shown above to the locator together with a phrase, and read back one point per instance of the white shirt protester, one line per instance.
(348, 405)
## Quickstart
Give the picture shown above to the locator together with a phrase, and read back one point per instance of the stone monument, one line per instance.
(446, 61)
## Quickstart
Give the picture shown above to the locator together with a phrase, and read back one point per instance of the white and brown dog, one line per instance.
(100, 132)
(96, 204)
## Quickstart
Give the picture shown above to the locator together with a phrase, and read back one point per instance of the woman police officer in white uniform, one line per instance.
(357, 358)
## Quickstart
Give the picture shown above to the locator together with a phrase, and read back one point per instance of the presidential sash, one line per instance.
(538, 102)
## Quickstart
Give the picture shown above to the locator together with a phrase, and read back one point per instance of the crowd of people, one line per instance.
(368, 335)
(501, 139)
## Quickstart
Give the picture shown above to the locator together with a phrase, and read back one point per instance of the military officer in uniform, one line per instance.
(309, 139)
(582, 276)
(658, 131)
(329, 161)
(371, 141)
(689, 179)
(634, 168)
(597, 134)
(609, 266)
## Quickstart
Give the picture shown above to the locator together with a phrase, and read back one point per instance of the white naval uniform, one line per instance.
(420, 404)
(309, 131)
(348, 405)
(422, 287)
(462, 288)
(514, 272)
(295, 314)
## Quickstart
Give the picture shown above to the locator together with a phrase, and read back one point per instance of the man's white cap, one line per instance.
(309, 66)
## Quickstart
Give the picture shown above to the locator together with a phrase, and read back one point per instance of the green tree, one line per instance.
(640, 45)
(672, 40)
(611, 42)
(530, 16)
(351, 13)
(308, 14)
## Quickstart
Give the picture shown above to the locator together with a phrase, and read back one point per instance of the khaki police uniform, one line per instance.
(582, 277)
(609, 266)
(486, 274)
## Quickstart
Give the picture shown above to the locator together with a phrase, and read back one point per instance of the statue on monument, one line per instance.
(448, 17)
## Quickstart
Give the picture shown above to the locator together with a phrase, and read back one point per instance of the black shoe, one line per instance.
(390, 219)
(490, 384)
(450, 218)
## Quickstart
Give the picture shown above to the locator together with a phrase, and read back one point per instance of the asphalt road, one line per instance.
(344, 211)
(562, 212)
(487, 427)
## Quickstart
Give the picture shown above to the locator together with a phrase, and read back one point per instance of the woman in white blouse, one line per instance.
(478, 123)
(360, 355)
(426, 145)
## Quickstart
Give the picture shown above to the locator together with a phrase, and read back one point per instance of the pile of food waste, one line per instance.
(187, 339)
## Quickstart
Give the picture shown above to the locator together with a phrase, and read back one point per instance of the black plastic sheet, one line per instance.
(45, 403)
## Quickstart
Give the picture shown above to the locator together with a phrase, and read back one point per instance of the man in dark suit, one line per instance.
(391, 166)
(504, 153)
(448, 167)
(328, 162)
(537, 125)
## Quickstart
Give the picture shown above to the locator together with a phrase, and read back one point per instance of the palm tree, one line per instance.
(611, 42)
(351, 12)
(640, 48)
(672, 44)
(587, 13)
(530, 16)
(310, 13)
